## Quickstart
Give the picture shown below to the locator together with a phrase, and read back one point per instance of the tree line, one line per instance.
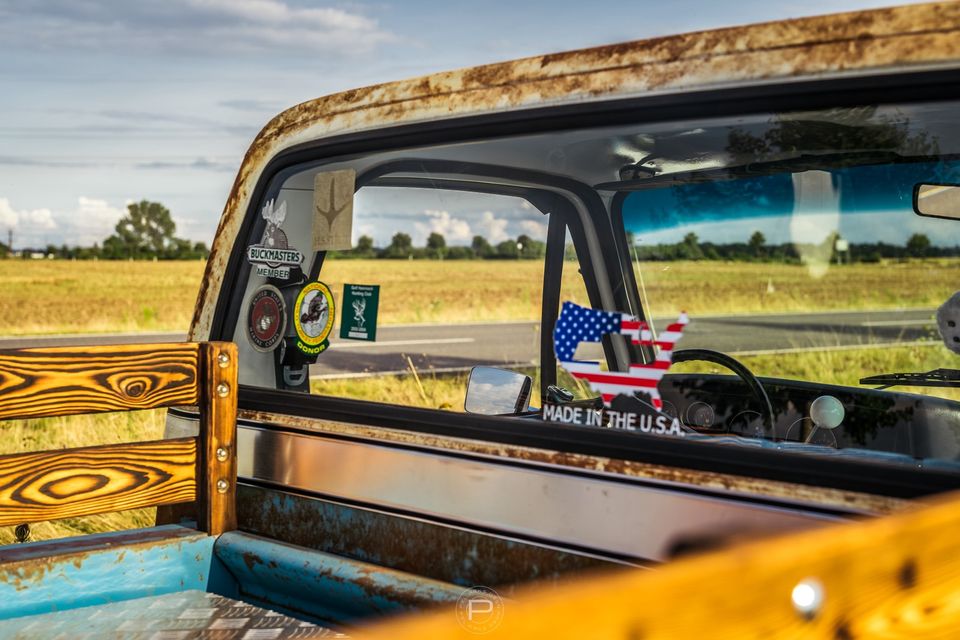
(401, 247)
(756, 249)
(147, 232)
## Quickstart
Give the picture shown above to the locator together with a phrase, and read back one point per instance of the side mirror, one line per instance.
(497, 392)
(937, 200)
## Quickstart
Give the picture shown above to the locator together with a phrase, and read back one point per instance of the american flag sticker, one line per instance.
(578, 324)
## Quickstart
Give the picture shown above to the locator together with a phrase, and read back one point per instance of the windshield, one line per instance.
(799, 254)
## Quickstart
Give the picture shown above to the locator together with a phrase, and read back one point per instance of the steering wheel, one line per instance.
(722, 359)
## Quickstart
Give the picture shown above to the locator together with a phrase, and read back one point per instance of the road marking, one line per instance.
(897, 323)
(399, 343)
(844, 347)
(406, 372)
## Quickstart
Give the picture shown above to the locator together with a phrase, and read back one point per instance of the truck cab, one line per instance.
(594, 310)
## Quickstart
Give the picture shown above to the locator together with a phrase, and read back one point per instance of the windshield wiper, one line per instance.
(935, 378)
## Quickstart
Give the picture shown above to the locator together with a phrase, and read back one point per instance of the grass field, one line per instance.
(42, 297)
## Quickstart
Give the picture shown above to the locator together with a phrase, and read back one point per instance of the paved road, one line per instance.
(452, 347)
(88, 339)
(456, 347)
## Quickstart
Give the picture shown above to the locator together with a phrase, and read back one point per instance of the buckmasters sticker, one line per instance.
(266, 318)
(273, 256)
(313, 317)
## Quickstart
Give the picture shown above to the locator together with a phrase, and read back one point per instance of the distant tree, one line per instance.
(481, 248)
(918, 245)
(200, 251)
(530, 248)
(401, 246)
(147, 231)
(508, 249)
(458, 253)
(365, 245)
(690, 249)
(436, 245)
(757, 242)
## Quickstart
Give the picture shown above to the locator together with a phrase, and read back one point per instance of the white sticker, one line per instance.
(333, 210)
(273, 257)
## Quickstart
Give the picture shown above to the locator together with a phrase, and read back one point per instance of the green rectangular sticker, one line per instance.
(358, 320)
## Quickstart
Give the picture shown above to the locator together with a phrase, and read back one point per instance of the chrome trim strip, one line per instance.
(609, 515)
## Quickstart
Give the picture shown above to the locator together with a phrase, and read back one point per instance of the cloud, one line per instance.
(29, 219)
(454, 230)
(252, 105)
(94, 220)
(534, 228)
(202, 164)
(26, 161)
(222, 27)
(90, 221)
(494, 229)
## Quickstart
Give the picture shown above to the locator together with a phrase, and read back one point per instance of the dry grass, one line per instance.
(56, 296)
(89, 297)
(703, 288)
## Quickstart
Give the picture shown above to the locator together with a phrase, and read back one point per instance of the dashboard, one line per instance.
(886, 421)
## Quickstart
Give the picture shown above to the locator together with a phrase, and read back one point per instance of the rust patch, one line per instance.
(880, 39)
(22, 567)
(861, 502)
(440, 553)
(251, 560)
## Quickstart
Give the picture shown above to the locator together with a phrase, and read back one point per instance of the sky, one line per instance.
(107, 102)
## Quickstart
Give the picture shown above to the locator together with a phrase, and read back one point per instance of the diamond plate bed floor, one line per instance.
(176, 616)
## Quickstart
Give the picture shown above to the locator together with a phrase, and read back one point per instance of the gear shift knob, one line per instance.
(827, 412)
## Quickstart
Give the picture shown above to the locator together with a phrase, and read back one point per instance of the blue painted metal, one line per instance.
(64, 574)
(323, 585)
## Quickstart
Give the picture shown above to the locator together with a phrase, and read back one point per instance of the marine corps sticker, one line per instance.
(266, 318)
(313, 317)
(273, 257)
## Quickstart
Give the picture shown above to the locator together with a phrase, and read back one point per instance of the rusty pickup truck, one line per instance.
(580, 312)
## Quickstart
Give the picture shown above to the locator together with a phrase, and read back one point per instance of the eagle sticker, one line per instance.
(273, 256)
(313, 318)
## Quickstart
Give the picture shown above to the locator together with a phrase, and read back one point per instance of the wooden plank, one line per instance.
(218, 429)
(77, 482)
(58, 381)
(891, 577)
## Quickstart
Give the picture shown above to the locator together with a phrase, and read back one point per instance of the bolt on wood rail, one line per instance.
(60, 381)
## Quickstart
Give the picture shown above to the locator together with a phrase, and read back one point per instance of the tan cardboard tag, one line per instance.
(333, 210)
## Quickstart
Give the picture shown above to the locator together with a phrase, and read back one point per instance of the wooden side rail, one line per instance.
(59, 381)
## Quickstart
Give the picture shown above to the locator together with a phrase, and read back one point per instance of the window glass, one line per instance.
(435, 282)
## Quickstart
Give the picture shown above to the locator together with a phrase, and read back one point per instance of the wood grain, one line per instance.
(892, 577)
(218, 429)
(73, 482)
(58, 381)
